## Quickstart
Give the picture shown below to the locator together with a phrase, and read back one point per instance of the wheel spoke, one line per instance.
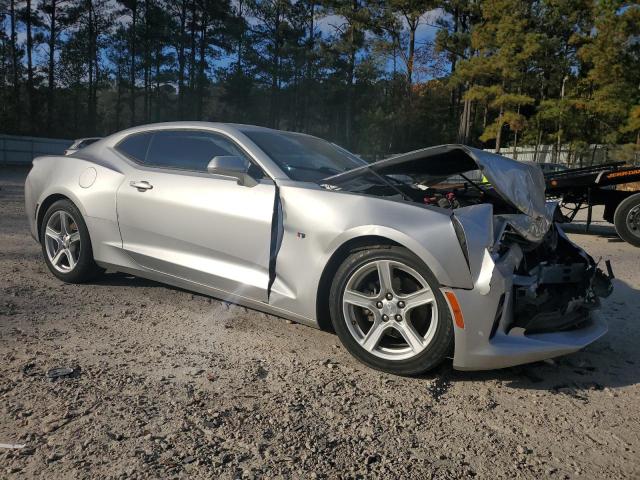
(51, 233)
(421, 297)
(58, 256)
(385, 276)
(373, 336)
(64, 225)
(70, 259)
(410, 335)
(358, 299)
(74, 237)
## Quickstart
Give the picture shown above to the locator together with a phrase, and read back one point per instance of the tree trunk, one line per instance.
(118, 96)
(454, 61)
(515, 138)
(30, 89)
(349, 104)
(240, 39)
(192, 56)
(308, 70)
(52, 48)
(147, 63)
(593, 154)
(499, 132)
(413, 27)
(465, 122)
(132, 72)
(91, 113)
(157, 93)
(274, 106)
(14, 66)
(181, 58)
(538, 141)
(202, 64)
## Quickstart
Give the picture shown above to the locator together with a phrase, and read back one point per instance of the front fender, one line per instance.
(318, 222)
(449, 268)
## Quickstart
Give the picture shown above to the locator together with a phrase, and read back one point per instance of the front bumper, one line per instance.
(489, 339)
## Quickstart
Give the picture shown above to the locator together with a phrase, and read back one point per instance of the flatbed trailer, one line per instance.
(580, 188)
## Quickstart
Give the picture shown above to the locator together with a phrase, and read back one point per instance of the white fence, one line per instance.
(591, 155)
(587, 156)
(18, 150)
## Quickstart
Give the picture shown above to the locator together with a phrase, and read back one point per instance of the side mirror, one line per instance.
(232, 166)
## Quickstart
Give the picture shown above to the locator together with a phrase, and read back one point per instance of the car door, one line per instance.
(177, 219)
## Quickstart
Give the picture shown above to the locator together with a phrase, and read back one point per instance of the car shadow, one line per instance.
(611, 362)
(602, 230)
(118, 279)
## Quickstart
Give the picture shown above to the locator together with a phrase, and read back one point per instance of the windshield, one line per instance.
(302, 157)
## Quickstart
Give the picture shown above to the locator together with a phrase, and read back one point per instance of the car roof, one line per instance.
(233, 130)
(222, 126)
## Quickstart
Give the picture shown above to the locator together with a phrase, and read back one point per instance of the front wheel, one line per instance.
(627, 219)
(388, 311)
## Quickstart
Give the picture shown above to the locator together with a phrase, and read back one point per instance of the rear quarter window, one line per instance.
(135, 146)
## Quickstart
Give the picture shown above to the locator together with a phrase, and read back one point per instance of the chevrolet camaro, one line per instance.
(446, 251)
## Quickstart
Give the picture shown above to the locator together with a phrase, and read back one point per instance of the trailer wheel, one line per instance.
(627, 219)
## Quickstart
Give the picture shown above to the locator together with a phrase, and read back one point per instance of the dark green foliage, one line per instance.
(358, 72)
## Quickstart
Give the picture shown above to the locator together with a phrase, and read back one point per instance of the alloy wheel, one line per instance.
(390, 310)
(62, 241)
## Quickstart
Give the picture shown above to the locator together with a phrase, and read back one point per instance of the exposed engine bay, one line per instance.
(448, 193)
(450, 176)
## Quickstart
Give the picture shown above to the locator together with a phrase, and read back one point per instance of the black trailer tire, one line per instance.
(627, 220)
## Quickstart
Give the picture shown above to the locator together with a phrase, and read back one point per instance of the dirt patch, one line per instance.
(166, 383)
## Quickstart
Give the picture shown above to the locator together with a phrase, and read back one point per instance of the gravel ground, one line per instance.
(172, 384)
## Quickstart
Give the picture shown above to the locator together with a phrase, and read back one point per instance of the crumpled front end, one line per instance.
(534, 291)
(530, 301)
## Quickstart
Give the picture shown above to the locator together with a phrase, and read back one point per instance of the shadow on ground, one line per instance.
(117, 279)
(602, 230)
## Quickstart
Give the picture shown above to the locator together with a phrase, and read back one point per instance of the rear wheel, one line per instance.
(66, 244)
(388, 311)
(627, 219)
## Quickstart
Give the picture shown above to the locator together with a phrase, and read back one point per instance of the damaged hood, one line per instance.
(521, 184)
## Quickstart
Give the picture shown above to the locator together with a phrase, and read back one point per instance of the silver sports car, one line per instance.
(445, 251)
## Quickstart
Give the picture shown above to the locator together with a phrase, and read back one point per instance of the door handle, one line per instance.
(142, 186)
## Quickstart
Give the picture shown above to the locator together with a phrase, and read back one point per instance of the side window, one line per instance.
(135, 146)
(188, 150)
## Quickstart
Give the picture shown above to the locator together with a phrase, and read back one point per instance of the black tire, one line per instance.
(85, 268)
(441, 344)
(628, 231)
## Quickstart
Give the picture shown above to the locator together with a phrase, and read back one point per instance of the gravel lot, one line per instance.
(171, 384)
